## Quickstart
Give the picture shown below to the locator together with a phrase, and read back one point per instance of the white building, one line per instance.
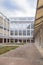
(22, 29)
(4, 29)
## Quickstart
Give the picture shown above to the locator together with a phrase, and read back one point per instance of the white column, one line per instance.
(14, 40)
(3, 40)
(6, 40)
(30, 32)
(6, 31)
(22, 32)
(3, 29)
(18, 41)
(18, 29)
(26, 40)
(30, 29)
(30, 40)
(22, 41)
(9, 31)
(22, 29)
(9, 40)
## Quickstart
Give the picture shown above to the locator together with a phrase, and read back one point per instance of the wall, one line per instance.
(39, 24)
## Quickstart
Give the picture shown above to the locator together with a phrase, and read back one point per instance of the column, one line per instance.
(6, 40)
(3, 40)
(18, 29)
(26, 40)
(22, 41)
(18, 41)
(9, 30)
(30, 32)
(9, 40)
(3, 29)
(30, 40)
(14, 40)
(30, 29)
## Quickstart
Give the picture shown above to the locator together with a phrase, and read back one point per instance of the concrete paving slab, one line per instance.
(28, 54)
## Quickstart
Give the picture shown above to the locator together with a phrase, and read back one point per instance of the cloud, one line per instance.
(18, 8)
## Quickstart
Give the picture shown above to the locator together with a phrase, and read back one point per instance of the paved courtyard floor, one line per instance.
(27, 54)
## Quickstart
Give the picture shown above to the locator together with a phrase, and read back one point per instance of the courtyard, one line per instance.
(27, 54)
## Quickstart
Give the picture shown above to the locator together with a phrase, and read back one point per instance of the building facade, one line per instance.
(4, 29)
(23, 29)
(39, 24)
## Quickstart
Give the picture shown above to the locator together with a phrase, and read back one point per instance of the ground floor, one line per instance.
(27, 54)
(6, 40)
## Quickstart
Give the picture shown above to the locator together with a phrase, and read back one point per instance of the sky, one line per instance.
(18, 8)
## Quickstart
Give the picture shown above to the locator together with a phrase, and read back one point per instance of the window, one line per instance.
(32, 26)
(11, 33)
(32, 32)
(28, 32)
(28, 27)
(1, 27)
(24, 32)
(20, 32)
(16, 32)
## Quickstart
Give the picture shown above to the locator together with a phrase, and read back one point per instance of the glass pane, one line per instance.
(24, 32)
(20, 32)
(28, 32)
(32, 32)
(11, 33)
(16, 32)
(28, 27)
(32, 26)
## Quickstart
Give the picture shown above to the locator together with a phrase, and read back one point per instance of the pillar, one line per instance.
(14, 41)
(26, 40)
(18, 41)
(3, 30)
(3, 40)
(6, 40)
(22, 41)
(30, 40)
(9, 40)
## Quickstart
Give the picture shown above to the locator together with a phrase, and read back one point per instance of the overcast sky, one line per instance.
(18, 8)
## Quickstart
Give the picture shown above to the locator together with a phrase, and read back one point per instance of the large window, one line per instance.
(1, 27)
(23, 29)
(20, 32)
(12, 33)
(24, 32)
(28, 32)
(32, 32)
(32, 26)
(16, 32)
(28, 27)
